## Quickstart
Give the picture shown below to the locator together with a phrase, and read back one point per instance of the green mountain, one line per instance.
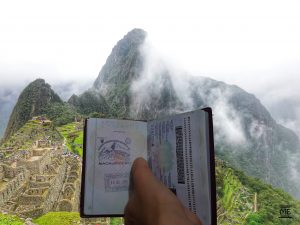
(38, 99)
(246, 200)
(33, 99)
(246, 135)
(89, 102)
(248, 140)
(29, 133)
(122, 66)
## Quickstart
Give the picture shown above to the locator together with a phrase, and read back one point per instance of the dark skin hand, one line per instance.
(152, 203)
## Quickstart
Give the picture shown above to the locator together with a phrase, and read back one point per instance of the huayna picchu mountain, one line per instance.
(37, 99)
(111, 91)
(246, 135)
(124, 64)
(130, 85)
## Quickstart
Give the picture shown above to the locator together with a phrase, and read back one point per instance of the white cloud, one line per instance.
(254, 44)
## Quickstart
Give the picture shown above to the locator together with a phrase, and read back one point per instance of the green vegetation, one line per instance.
(58, 218)
(73, 134)
(32, 131)
(60, 113)
(269, 202)
(96, 115)
(235, 190)
(119, 99)
(89, 102)
(32, 102)
(234, 200)
(235, 194)
(116, 221)
(10, 220)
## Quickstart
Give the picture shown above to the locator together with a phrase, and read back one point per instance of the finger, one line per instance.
(129, 214)
(142, 177)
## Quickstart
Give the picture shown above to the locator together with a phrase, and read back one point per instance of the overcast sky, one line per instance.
(254, 44)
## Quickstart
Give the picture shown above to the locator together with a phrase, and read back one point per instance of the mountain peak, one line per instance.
(136, 33)
(32, 101)
(125, 62)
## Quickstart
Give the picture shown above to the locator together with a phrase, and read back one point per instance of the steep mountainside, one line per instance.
(36, 99)
(31, 102)
(130, 85)
(246, 134)
(122, 66)
(89, 102)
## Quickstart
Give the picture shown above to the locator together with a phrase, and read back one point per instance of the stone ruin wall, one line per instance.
(13, 185)
(43, 198)
(37, 166)
(55, 188)
(41, 181)
(69, 200)
(49, 182)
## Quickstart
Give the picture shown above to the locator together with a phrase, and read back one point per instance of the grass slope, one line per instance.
(73, 134)
(10, 220)
(33, 130)
(235, 190)
(58, 218)
(235, 193)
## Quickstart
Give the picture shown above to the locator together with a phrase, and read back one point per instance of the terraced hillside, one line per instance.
(36, 176)
(73, 135)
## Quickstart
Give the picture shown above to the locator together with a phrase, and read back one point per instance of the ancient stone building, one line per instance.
(12, 179)
(38, 180)
(69, 200)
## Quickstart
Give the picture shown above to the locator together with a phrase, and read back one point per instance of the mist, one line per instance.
(8, 98)
(282, 103)
(149, 85)
(10, 91)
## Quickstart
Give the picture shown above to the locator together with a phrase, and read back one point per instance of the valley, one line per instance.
(40, 154)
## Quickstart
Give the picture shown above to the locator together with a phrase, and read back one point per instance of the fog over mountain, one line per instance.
(8, 98)
(9, 94)
(234, 126)
(254, 45)
(138, 82)
(283, 101)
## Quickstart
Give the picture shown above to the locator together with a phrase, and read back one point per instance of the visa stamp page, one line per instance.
(177, 155)
(112, 145)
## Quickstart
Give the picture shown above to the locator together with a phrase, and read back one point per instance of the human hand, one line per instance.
(152, 203)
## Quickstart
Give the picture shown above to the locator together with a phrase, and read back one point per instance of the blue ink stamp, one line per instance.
(114, 152)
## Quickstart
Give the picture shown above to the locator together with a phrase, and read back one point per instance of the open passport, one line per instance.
(179, 150)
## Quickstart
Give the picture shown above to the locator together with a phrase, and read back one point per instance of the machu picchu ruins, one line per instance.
(37, 173)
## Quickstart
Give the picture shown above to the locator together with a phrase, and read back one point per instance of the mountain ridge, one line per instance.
(36, 99)
(31, 101)
(246, 135)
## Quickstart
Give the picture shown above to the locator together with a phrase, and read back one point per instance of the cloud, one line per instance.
(8, 98)
(158, 67)
(294, 172)
(66, 89)
(282, 98)
(237, 129)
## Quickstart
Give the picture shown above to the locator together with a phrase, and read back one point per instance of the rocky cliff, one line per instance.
(32, 101)
(246, 134)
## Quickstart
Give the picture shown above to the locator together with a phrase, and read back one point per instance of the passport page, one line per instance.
(111, 147)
